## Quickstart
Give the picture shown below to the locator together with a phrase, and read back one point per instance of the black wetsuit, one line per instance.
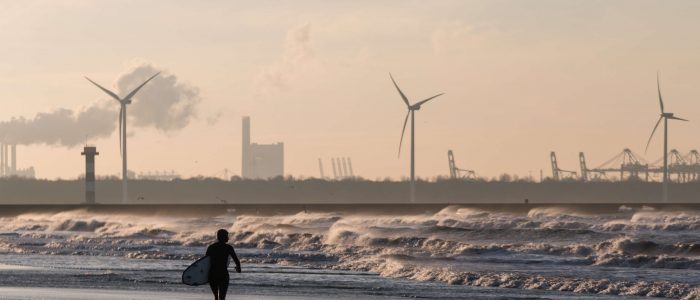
(218, 271)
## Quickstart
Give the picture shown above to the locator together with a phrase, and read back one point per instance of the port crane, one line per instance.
(693, 161)
(557, 173)
(686, 168)
(631, 166)
(457, 173)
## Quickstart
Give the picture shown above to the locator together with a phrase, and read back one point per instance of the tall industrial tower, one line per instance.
(247, 160)
(90, 152)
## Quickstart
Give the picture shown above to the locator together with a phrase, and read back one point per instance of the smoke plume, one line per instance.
(62, 127)
(297, 54)
(164, 103)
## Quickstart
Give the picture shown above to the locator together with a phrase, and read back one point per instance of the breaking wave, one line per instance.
(550, 248)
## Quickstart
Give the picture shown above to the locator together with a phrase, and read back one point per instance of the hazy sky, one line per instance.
(521, 78)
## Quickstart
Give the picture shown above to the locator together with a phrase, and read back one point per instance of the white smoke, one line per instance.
(165, 103)
(296, 58)
(62, 127)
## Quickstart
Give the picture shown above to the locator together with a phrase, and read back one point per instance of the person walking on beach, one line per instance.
(219, 253)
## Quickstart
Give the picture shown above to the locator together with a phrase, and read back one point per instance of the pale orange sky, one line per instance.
(521, 78)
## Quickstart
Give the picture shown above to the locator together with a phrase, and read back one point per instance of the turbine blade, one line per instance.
(105, 90)
(677, 118)
(658, 87)
(121, 124)
(403, 131)
(136, 90)
(652, 133)
(405, 100)
(426, 100)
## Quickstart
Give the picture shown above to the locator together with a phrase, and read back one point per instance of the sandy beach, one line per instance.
(85, 294)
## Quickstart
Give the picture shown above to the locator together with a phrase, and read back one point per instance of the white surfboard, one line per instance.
(198, 272)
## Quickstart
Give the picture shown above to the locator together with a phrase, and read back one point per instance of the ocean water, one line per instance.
(453, 253)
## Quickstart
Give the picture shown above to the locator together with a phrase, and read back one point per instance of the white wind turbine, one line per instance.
(411, 111)
(665, 116)
(122, 128)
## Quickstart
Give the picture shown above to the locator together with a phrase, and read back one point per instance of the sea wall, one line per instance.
(212, 191)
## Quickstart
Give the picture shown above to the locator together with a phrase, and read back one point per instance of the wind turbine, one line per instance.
(665, 116)
(122, 127)
(411, 112)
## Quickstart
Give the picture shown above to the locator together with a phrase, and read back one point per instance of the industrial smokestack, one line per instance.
(345, 168)
(13, 167)
(5, 158)
(340, 167)
(352, 174)
(335, 172)
(246, 163)
(2, 160)
(320, 167)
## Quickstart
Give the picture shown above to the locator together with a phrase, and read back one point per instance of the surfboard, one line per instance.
(198, 272)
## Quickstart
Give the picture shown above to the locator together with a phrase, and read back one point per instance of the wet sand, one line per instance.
(85, 294)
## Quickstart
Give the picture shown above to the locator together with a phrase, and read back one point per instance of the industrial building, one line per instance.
(8, 163)
(260, 161)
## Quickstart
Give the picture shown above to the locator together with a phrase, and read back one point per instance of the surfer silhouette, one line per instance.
(219, 253)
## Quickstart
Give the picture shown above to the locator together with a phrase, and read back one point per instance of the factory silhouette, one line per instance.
(260, 161)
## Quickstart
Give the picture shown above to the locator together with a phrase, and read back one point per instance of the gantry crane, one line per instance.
(586, 172)
(631, 166)
(557, 173)
(457, 173)
(685, 167)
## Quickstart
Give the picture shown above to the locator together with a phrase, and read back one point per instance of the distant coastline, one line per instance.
(351, 191)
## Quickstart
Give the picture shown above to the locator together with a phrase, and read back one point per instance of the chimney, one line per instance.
(320, 167)
(352, 174)
(2, 160)
(13, 167)
(345, 168)
(335, 172)
(246, 162)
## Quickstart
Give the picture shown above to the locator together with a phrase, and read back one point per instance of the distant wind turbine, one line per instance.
(122, 128)
(411, 111)
(665, 116)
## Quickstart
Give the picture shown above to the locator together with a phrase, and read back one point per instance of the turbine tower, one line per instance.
(665, 116)
(411, 112)
(122, 128)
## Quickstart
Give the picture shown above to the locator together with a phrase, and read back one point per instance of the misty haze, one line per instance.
(349, 150)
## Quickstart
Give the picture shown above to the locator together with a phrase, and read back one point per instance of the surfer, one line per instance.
(219, 253)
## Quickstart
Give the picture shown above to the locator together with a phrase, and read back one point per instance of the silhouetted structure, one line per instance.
(335, 170)
(631, 166)
(558, 173)
(320, 168)
(457, 173)
(665, 116)
(90, 152)
(260, 161)
(8, 163)
(352, 173)
(411, 113)
(123, 102)
(3, 159)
